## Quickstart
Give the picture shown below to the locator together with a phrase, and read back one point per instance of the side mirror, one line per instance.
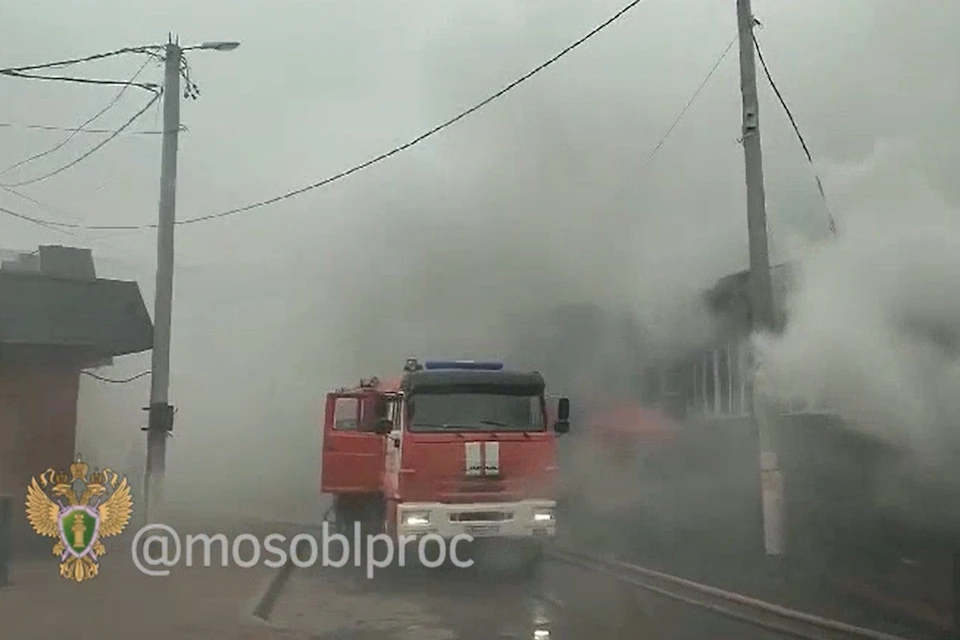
(383, 426)
(562, 424)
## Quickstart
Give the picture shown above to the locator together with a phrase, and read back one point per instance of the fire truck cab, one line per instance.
(446, 448)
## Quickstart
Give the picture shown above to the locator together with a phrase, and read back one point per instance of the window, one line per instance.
(475, 412)
(373, 408)
(346, 414)
(718, 381)
(395, 411)
(745, 370)
(710, 383)
(696, 387)
(725, 373)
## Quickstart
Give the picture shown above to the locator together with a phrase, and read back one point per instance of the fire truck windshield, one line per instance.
(475, 412)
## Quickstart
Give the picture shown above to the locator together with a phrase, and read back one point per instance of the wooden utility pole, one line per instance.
(761, 283)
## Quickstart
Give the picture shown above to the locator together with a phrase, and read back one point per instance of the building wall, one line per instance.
(831, 472)
(38, 420)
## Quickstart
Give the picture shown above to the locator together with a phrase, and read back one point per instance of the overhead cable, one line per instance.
(423, 136)
(91, 151)
(383, 156)
(796, 129)
(76, 130)
(116, 380)
(149, 49)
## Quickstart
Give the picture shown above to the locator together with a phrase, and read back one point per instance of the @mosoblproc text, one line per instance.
(158, 547)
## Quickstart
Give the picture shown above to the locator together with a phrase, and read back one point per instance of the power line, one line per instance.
(693, 98)
(149, 49)
(51, 225)
(383, 156)
(57, 225)
(653, 152)
(796, 129)
(149, 86)
(60, 227)
(43, 207)
(92, 150)
(89, 120)
(50, 127)
(154, 51)
(116, 380)
(440, 127)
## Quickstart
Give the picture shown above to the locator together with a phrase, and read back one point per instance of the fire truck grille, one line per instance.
(480, 487)
(481, 516)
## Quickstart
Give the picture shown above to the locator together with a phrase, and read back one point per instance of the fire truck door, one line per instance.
(352, 459)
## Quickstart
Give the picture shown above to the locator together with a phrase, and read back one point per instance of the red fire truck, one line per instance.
(448, 448)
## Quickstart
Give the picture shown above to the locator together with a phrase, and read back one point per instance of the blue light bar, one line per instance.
(476, 365)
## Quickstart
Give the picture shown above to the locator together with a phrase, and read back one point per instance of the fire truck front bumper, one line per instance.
(529, 519)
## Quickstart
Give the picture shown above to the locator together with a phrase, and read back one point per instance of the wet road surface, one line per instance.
(563, 603)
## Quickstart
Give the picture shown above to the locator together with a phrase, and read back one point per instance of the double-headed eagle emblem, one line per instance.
(102, 510)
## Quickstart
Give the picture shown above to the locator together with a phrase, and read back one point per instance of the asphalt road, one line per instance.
(563, 603)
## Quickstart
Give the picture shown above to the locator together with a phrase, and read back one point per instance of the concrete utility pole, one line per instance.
(761, 284)
(160, 421)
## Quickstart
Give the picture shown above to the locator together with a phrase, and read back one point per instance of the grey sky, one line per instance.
(321, 85)
(318, 86)
(542, 196)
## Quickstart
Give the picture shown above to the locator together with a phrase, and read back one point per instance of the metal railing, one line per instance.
(758, 613)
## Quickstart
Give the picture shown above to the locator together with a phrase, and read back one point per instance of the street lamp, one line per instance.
(215, 46)
(160, 419)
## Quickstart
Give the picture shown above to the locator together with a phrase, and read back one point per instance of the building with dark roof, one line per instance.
(56, 319)
(839, 516)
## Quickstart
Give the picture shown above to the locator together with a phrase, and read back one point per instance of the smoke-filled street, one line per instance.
(660, 296)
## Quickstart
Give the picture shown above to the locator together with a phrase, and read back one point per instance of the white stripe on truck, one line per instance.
(491, 458)
(473, 465)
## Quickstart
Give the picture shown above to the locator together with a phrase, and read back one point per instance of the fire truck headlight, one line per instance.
(416, 518)
(543, 515)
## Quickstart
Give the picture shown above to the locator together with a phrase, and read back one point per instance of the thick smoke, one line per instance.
(874, 321)
(457, 248)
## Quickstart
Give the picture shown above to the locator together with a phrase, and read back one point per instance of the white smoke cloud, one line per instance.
(875, 319)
